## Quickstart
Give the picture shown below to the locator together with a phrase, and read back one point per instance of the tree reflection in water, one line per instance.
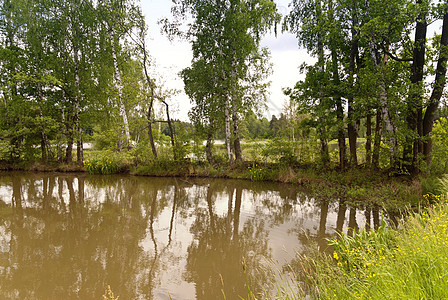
(219, 251)
(68, 236)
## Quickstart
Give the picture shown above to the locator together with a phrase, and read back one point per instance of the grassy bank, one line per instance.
(408, 263)
(358, 187)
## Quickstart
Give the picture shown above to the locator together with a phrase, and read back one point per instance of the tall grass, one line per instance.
(409, 263)
(106, 162)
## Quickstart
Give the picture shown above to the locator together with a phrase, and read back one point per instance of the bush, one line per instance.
(107, 162)
(142, 153)
(256, 172)
(280, 151)
(5, 150)
(107, 139)
(439, 163)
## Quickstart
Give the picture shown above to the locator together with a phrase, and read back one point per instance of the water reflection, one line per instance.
(69, 236)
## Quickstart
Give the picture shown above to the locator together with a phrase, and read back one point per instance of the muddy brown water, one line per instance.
(69, 236)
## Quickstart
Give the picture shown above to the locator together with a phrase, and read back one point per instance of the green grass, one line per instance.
(406, 263)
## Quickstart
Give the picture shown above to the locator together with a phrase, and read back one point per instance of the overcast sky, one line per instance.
(171, 57)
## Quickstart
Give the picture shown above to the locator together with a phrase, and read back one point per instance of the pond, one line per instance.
(69, 236)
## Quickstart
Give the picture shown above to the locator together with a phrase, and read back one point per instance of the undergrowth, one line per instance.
(410, 262)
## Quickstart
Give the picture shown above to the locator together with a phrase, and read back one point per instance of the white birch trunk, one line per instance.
(119, 87)
(389, 126)
(79, 149)
(228, 134)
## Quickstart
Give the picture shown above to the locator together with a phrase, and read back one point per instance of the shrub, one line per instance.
(256, 172)
(280, 151)
(439, 163)
(107, 162)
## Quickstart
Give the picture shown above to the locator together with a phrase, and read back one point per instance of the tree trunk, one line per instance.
(150, 84)
(119, 87)
(325, 156)
(236, 134)
(339, 114)
(377, 141)
(77, 93)
(43, 148)
(228, 135)
(415, 100)
(173, 144)
(368, 139)
(79, 148)
(208, 148)
(69, 149)
(439, 84)
(45, 143)
(148, 118)
(389, 126)
(352, 129)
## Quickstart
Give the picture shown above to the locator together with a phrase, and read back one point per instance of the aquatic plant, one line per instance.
(107, 163)
(256, 172)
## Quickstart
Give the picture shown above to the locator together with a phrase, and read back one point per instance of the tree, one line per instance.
(225, 36)
(439, 84)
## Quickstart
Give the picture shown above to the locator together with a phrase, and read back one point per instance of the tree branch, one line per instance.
(394, 57)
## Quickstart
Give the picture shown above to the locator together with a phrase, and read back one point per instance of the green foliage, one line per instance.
(106, 162)
(257, 172)
(256, 128)
(361, 250)
(439, 163)
(406, 263)
(106, 139)
(142, 154)
(5, 150)
(280, 151)
(433, 187)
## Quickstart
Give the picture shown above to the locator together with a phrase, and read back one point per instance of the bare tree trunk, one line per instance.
(79, 148)
(439, 85)
(228, 135)
(352, 129)
(236, 134)
(151, 137)
(119, 87)
(45, 143)
(369, 139)
(173, 144)
(389, 126)
(208, 147)
(377, 141)
(415, 99)
(325, 156)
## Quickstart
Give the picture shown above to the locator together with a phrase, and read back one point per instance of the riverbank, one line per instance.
(358, 187)
(388, 263)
